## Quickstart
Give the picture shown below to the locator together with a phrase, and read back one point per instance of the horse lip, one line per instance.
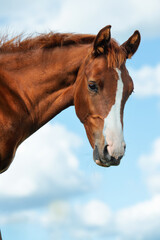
(110, 161)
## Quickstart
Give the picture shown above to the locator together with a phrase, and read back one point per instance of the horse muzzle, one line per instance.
(105, 159)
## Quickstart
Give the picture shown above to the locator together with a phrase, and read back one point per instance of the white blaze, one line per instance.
(113, 132)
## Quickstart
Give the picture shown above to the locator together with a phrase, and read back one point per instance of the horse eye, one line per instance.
(93, 86)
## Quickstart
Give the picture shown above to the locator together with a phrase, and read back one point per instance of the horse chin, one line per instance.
(107, 162)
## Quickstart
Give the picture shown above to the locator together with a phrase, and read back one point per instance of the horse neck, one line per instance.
(45, 80)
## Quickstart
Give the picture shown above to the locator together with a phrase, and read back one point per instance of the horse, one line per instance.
(44, 74)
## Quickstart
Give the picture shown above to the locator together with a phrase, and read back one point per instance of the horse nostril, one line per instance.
(105, 149)
(105, 152)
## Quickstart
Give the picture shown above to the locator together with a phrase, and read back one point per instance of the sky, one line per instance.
(53, 190)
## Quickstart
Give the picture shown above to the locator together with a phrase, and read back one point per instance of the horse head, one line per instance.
(102, 88)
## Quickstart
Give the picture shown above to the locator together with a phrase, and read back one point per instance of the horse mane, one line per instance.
(43, 41)
(115, 54)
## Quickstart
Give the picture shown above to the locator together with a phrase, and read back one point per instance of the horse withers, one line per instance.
(41, 76)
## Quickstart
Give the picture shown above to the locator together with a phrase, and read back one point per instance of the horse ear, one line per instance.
(102, 40)
(132, 44)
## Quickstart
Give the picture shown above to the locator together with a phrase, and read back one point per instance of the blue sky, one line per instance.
(51, 194)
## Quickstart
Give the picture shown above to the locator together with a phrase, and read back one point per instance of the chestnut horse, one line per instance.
(43, 75)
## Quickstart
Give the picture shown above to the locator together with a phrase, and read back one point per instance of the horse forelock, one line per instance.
(116, 55)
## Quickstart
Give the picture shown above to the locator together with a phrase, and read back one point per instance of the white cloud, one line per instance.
(83, 16)
(146, 81)
(45, 167)
(92, 15)
(140, 221)
(94, 213)
(95, 220)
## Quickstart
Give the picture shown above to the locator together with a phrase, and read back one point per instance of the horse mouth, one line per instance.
(105, 162)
